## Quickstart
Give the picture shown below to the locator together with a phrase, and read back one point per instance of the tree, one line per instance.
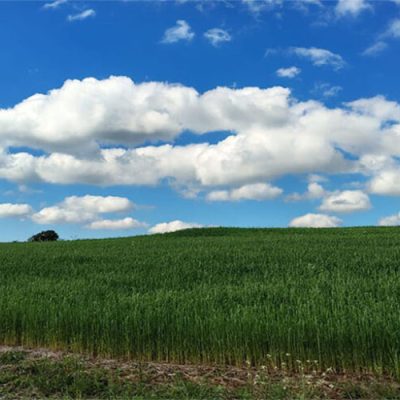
(44, 236)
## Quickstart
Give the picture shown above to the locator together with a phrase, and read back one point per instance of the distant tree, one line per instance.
(44, 236)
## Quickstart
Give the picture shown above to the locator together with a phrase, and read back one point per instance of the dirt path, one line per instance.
(163, 378)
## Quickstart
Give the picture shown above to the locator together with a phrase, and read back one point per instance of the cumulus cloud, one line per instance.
(386, 182)
(392, 220)
(9, 210)
(351, 8)
(377, 107)
(89, 13)
(255, 191)
(181, 31)
(116, 224)
(315, 221)
(75, 209)
(83, 114)
(346, 201)
(78, 210)
(173, 226)
(290, 72)
(216, 36)
(384, 171)
(91, 132)
(98, 204)
(60, 215)
(116, 111)
(319, 57)
(314, 191)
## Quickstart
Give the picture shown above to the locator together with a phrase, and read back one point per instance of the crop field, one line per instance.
(278, 297)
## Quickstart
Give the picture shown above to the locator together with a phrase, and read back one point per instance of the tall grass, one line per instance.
(212, 295)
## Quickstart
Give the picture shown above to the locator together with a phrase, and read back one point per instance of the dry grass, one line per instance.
(39, 373)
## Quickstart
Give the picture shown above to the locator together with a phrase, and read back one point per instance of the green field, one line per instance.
(330, 297)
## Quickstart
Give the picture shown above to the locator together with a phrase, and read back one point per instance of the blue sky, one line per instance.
(156, 116)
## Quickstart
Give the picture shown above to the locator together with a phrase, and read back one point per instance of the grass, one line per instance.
(42, 374)
(330, 297)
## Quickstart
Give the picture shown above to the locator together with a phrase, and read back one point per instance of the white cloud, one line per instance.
(82, 15)
(384, 171)
(173, 226)
(54, 4)
(98, 204)
(181, 31)
(345, 202)
(8, 210)
(374, 163)
(375, 49)
(217, 36)
(117, 224)
(391, 32)
(289, 72)
(319, 57)
(326, 89)
(255, 191)
(315, 221)
(392, 220)
(351, 7)
(377, 107)
(305, 5)
(82, 114)
(116, 111)
(386, 182)
(233, 161)
(315, 178)
(83, 209)
(332, 91)
(269, 134)
(393, 29)
(314, 191)
(61, 215)
(257, 6)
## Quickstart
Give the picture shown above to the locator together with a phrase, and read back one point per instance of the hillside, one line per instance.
(287, 297)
